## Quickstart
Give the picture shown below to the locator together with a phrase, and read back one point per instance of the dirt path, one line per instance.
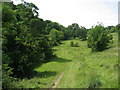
(54, 85)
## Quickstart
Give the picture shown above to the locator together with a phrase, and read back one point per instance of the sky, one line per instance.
(84, 12)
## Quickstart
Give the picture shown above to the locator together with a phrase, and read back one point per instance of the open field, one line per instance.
(81, 67)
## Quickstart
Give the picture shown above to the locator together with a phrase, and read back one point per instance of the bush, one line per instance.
(72, 44)
(98, 38)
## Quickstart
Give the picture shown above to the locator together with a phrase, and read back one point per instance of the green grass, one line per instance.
(82, 68)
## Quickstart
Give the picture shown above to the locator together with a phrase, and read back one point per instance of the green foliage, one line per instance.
(74, 31)
(70, 31)
(52, 25)
(24, 42)
(110, 37)
(98, 38)
(83, 33)
(28, 40)
(56, 36)
(7, 79)
(8, 15)
(72, 44)
(111, 29)
(36, 26)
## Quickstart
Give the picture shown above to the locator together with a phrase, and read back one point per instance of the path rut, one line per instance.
(54, 85)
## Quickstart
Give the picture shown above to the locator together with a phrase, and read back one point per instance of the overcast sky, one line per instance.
(84, 12)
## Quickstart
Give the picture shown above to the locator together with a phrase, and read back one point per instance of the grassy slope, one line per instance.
(81, 67)
(87, 67)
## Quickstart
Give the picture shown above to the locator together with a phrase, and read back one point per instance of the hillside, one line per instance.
(81, 67)
(40, 53)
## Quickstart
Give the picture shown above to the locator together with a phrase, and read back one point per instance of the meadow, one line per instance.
(38, 53)
(81, 67)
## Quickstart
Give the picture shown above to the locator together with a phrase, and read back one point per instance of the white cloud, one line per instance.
(85, 13)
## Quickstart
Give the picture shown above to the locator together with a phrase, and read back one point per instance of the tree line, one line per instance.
(28, 39)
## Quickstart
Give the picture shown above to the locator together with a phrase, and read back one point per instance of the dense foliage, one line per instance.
(75, 31)
(72, 44)
(24, 41)
(56, 36)
(98, 38)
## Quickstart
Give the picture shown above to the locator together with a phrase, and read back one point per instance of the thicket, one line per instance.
(24, 41)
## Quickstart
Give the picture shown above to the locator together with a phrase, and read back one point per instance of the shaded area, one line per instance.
(60, 60)
(54, 50)
(45, 74)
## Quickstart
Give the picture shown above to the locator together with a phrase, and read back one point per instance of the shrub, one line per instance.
(98, 38)
(71, 44)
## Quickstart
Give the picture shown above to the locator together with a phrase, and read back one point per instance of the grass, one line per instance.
(82, 68)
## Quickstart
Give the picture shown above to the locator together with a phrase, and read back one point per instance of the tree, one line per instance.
(56, 36)
(83, 33)
(24, 40)
(74, 30)
(37, 26)
(71, 31)
(52, 25)
(98, 38)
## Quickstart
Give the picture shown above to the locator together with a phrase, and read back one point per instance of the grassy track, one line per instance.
(81, 67)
